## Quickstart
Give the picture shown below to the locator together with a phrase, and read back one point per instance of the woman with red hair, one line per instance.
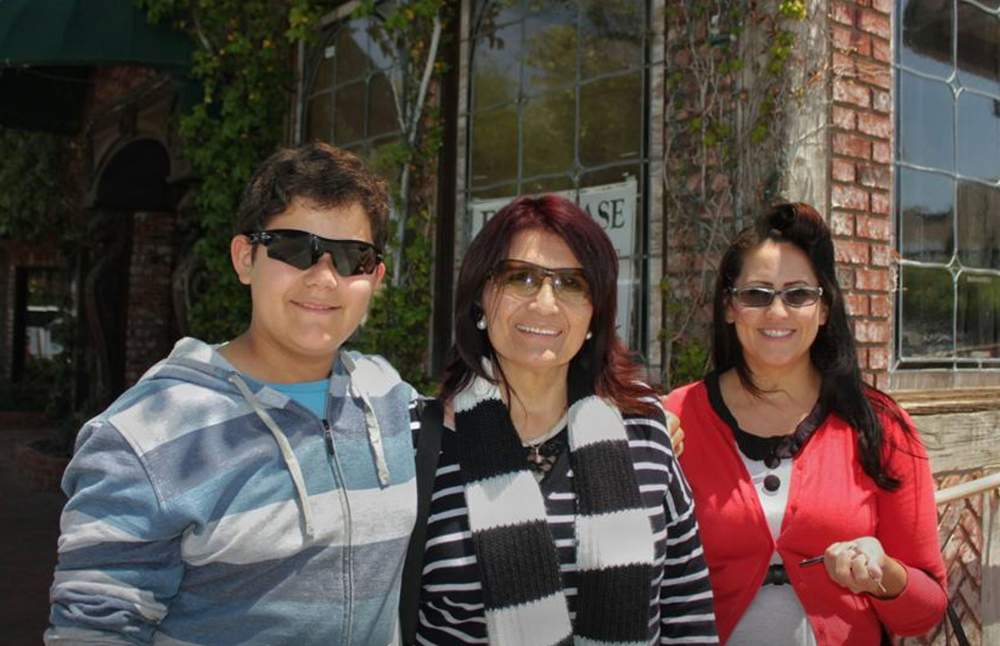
(558, 512)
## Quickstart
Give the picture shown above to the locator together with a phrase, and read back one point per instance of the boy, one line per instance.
(261, 491)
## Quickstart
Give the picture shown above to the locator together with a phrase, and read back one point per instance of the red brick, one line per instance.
(882, 152)
(843, 65)
(880, 305)
(882, 255)
(876, 125)
(876, 280)
(845, 275)
(875, 73)
(875, 176)
(844, 118)
(875, 23)
(851, 146)
(872, 228)
(881, 51)
(842, 224)
(843, 13)
(848, 91)
(851, 40)
(843, 170)
(851, 252)
(857, 304)
(871, 331)
(880, 203)
(882, 101)
(885, 6)
(848, 197)
(862, 357)
(878, 358)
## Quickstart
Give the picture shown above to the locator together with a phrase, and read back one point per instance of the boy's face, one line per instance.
(306, 313)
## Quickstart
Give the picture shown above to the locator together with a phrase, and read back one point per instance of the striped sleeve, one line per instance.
(687, 615)
(119, 552)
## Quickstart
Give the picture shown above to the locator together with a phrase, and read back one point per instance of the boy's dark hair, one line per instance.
(321, 174)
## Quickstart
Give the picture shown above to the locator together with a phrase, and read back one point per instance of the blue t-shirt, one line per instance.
(311, 394)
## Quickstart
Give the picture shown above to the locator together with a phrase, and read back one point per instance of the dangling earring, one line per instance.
(590, 335)
(481, 323)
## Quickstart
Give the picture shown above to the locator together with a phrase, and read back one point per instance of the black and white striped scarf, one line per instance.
(518, 562)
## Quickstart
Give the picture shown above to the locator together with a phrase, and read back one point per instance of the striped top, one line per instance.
(680, 611)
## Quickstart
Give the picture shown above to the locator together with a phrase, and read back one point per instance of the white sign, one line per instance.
(614, 207)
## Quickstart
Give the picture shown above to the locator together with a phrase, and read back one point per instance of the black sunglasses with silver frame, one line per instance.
(302, 250)
(760, 296)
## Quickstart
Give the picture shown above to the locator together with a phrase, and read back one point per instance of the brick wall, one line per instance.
(149, 332)
(861, 173)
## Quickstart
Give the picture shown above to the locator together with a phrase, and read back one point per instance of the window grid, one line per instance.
(577, 175)
(955, 266)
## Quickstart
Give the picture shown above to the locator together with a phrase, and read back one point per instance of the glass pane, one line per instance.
(979, 136)
(497, 12)
(495, 75)
(351, 59)
(609, 176)
(978, 225)
(494, 146)
(550, 60)
(926, 119)
(323, 77)
(611, 36)
(611, 120)
(348, 113)
(318, 119)
(381, 107)
(927, 36)
(978, 49)
(548, 123)
(926, 312)
(547, 185)
(384, 155)
(926, 216)
(978, 316)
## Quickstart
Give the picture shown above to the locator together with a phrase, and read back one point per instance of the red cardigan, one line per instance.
(831, 499)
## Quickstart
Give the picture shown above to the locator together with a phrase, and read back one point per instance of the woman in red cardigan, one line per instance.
(812, 490)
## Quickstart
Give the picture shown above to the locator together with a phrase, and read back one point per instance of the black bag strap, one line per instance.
(956, 625)
(428, 451)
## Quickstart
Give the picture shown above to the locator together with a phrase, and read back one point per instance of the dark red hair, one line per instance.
(603, 365)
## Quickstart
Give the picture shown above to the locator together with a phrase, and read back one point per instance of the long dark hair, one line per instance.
(833, 353)
(602, 365)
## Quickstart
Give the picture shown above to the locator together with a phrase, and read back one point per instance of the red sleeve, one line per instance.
(907, 529)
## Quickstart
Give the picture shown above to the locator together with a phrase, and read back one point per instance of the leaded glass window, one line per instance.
(948, 183)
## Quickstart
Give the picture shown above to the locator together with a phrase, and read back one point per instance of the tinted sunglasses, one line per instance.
(525, 279)
(302, 250)
(798, 296)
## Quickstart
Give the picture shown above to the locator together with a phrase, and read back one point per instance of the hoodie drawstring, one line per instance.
(371, 423)
(286, 452)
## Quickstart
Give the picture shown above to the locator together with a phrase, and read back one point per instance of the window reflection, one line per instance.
(978, 225)
(978, 316)
(926, 122)
(927, 36)
(610, 33)
(978, 152)
(926, 215)
(927, 306)
(978, 49)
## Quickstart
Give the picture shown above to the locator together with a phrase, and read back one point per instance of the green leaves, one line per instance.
(32, 195)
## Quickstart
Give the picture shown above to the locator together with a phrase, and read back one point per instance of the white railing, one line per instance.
(967, 489)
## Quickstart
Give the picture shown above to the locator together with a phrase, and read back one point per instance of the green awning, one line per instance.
(86, 33)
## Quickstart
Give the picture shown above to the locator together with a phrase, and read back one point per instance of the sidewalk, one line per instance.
(27, 548)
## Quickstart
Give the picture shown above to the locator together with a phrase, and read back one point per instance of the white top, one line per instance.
(775, 616)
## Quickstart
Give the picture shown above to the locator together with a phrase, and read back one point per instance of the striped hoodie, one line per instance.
(207, 508)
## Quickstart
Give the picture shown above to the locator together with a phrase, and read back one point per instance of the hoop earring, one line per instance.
(481, 323)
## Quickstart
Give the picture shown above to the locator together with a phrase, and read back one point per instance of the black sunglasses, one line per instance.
(302, 250)
(798, 296)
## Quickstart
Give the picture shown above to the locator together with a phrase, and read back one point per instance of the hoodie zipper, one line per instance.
(347, 557)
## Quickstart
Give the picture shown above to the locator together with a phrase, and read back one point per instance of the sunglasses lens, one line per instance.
(523, 281)
(292, 248)
(572, 285)
(352, 258)
(754, 297)
(800, 296)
